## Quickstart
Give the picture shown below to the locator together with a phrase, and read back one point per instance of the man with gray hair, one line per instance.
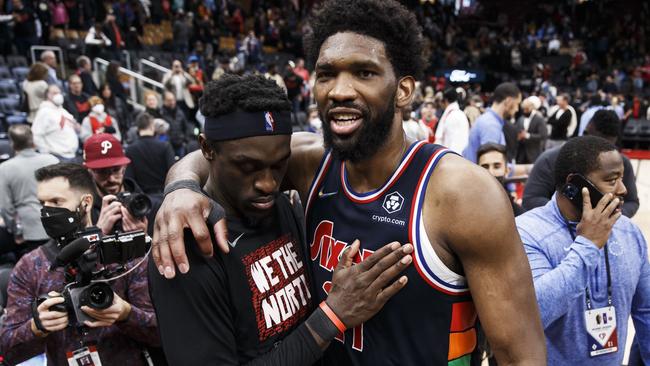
(19, 206)
(49, 58)
(84, 70)
(532, 131)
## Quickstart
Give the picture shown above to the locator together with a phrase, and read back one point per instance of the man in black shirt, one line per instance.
(253, 304)
(540, 186)
(76, 101)
(560, 121)
(150, 157)
(24, 27)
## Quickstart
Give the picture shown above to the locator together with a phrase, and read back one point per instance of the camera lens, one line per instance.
(139, 205)
(100, 296)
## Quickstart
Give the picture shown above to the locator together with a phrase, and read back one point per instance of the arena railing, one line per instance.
(137, 81)
(144, 62)
(57, 50)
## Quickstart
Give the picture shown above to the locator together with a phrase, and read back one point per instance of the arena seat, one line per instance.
(8, 89)
(10, 106)
(5, 273)
(5, 73)
(16, 119)
(16, 60)
(20, 73)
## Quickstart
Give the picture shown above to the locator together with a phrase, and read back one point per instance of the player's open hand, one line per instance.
(360, 291)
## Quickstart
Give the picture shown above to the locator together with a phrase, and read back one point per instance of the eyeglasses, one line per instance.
(106, 172)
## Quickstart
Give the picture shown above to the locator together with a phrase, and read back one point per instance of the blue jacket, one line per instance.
(562, 268)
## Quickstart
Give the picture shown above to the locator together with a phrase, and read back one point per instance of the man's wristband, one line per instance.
(333, 317)
(190, 184)
(320, 324)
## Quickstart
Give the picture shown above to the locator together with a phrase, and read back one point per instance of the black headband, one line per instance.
(240, 124)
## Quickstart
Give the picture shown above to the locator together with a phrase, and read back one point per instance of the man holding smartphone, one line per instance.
(590, 264)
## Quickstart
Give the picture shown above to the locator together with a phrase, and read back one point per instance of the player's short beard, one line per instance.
(366, 141)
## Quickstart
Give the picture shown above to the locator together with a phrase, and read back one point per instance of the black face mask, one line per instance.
(60, 223)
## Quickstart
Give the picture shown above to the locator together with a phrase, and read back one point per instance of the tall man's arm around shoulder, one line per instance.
(184, 208)
(468, 212)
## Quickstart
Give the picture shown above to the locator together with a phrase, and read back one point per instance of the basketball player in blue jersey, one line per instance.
(367, 181)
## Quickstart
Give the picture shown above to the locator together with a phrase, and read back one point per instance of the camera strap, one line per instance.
(37, 319)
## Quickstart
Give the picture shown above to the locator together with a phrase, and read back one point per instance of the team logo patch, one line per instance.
(269, 122)
(393, 202)
(106, 145)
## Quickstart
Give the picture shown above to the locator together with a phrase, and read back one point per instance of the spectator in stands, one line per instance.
(25, 35)
(313, 120)
(532, 131)
(474, 109)
(272, 74)
(300, 69)
(118, 335)
(77, 101)
(293, 83)
(106, 162)
(84, 70)
(114, 34)
(181, 31)
(595, 104)
(55, 129)
(194, 69)
(35, 88)
(113, 79)
(177, 81)
(150, 157)
(18, 203)
(97, 42)
(559, 121)
(152, 105)
(453, 128)
(489, 126)
(49, 59)
(492, 157)
(413, 129)
(540, 185)
(590, 265)
(222, 68)
(428, 118)
(180, 129)
(99, 121)
(116, 107)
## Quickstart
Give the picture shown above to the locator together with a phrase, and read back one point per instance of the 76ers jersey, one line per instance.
(432, 320)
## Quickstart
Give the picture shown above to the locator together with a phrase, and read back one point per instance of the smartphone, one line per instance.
(573, 191)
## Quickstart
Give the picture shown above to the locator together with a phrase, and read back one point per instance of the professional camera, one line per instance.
(138, 204)
(84, 260)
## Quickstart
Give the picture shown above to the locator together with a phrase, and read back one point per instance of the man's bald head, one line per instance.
(49, 58)
(21, 137)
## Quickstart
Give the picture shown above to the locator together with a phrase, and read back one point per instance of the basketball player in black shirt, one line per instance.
(255, 305)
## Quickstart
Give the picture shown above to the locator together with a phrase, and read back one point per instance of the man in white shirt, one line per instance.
(453, 128)
(55, 130)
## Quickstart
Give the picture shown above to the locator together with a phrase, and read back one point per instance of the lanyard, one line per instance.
(609, 275)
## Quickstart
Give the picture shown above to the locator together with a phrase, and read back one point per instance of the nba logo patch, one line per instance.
(269, 122)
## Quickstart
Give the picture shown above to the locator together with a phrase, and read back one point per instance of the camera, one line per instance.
(138, 204)
(85, 284)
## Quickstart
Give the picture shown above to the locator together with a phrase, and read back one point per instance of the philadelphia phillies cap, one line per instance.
(103, 150)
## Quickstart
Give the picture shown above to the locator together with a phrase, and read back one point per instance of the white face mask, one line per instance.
(98, 108)
(58, 100)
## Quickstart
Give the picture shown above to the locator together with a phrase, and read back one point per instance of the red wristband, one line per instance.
(330, 314)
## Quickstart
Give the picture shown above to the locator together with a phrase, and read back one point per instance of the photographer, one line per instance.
(106, 162)
(118, 333)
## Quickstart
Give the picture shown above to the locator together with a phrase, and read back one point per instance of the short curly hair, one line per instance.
(386, 20)
(579, 155)
(251, 93)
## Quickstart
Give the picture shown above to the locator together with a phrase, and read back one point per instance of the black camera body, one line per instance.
(86, 285)
(138, 204)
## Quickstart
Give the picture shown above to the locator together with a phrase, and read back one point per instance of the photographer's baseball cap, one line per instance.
(103, 150)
